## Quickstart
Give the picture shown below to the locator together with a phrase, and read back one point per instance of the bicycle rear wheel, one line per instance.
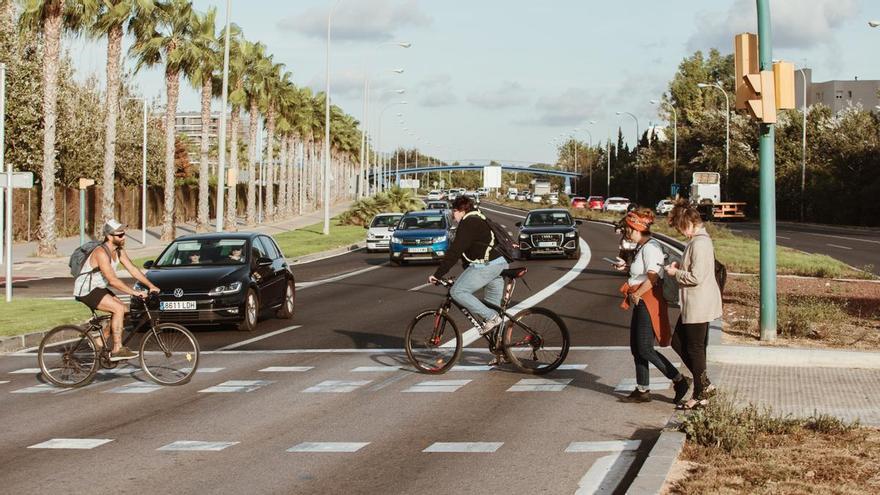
(170, 354)
(536, 341)
(68, 356)
(433, 342)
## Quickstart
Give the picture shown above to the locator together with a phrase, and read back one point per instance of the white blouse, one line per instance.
(649, 258)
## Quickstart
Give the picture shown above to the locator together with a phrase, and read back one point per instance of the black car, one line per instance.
(221, 278)
(547, 232)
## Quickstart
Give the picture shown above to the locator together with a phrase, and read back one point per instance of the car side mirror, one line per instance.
(579, 222)
(149, 264)
(518, 224)
(392, 228)
(263, 261)
(366, 227)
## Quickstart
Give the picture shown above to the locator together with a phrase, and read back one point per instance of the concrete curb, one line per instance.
(652, 475)
(792, 356)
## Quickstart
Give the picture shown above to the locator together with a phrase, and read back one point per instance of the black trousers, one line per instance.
(641, 344)
(690, 340)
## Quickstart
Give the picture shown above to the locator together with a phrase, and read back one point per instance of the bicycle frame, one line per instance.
(94, 324)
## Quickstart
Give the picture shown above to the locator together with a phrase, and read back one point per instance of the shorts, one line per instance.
(93, 298)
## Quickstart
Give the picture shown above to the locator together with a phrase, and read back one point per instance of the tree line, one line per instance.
(63, 129)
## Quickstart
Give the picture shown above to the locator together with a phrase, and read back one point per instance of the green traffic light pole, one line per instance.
(767, 188)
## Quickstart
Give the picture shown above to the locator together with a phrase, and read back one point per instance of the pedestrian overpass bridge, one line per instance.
(421, 169)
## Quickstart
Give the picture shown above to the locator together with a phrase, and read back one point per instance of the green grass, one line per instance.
(309, 240)
(26, 315)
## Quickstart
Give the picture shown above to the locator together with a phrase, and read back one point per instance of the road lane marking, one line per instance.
(237, 386)
(134, 388)
(844, 238)
(398, 351)
(839, 247)
(609, 446)
(503, 213)
(783, 237)
(445, 386)
(25, 371)
(72, 443)
(473, 334)
(336, 386)
(540, 385)
(316, 283)
(202, 370)
(373, 369)
(605, 474)
(348, 447)
(43, 388)
(257, 339)
(196, 446)
(3, 382)
(286, 369)
(464, 447)
(629, 384)
(420, 287)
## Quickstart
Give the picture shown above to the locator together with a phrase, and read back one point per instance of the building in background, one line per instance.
(189, 126)
(837, 95)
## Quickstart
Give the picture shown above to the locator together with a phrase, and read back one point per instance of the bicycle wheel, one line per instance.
(536, 341)
(433, 342)
(68, 356)
(169, 354)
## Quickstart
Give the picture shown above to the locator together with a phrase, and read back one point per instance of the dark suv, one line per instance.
(547, 232)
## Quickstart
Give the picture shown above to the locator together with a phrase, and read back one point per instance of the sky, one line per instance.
(500, 79)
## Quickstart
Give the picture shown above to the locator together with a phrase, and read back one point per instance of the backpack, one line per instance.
(670, 284)
(502, 243)
(81, 254)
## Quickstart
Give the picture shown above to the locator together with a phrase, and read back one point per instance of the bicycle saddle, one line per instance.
(514, 272)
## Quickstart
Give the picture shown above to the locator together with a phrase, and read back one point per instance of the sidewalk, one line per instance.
(27, 266)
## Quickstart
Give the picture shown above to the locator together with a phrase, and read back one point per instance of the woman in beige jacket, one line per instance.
(699, 296)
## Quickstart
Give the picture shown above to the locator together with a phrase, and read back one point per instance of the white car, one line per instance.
(554, 198)
(664, 206)
(617, 204)
(521, 196)
(379, 231)
(537, 198)
(435, 195)
(511, 194)
(483, 191)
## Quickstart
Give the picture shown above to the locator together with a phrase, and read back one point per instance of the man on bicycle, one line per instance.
(483, 265)
(99, 272)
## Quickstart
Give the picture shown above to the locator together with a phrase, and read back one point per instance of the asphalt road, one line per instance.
(856, 247)
(331, 375)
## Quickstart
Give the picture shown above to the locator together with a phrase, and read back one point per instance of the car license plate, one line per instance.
(419, 250)
(546, 244)
(177, 305)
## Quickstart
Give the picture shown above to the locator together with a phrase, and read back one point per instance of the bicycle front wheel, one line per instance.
(68, 356)
(433, 342)
(169, 354)
(536, 341)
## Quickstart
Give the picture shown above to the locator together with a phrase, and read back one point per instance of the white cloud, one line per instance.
(361, 20)
(437, 91)
(795, 23)
(571, 107)
(509, 94)
(346, 83)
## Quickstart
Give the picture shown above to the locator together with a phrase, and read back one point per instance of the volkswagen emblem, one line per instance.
(178, 293)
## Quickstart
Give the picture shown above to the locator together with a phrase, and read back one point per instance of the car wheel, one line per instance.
(287, 307)
(251, 312)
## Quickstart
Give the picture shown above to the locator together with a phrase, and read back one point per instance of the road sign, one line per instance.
(492, 177)
(20, 180)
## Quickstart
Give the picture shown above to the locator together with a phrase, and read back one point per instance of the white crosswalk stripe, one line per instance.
(196, 446)
(134, 388)
(72, 443)
(328, 447)
(286, 369)
(447, 386)
(235, 386)
(629, 384)
(540, 385)
(464, 447)
(337, 386)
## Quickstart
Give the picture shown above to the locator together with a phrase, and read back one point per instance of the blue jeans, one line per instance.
(641, 344)
(476, 277)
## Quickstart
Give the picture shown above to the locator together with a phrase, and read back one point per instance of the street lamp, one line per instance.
(326, 172)
(874, 24)
(674, 139)
(718, 86)
(221, 147)
(381, 163)
(591, 122)
(803, 72)
(143, 174)
(638, 136)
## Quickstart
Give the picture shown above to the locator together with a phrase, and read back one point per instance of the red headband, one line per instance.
(636, 222)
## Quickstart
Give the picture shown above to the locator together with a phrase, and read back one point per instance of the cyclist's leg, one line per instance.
(474, 278)
(495, 288)
(111, 304)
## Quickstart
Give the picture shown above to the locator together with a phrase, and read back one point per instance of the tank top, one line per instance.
(87, 282)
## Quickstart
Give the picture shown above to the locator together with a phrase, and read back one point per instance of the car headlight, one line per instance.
(395, 240)
(442, 238)
(524, 236)
(223, 290)
(371, 236)
(571, 234)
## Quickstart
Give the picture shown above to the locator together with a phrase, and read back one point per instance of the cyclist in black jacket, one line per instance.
(474, 244)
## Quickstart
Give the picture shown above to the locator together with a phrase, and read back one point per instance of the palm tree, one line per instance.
(167, 37)
(49, 18)
(255, 64)
(109, 18)
(274, 82)
(208, 61)
(237, 69)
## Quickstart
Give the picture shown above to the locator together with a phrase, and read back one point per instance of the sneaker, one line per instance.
(498, 360)
(489, 324)
(638, 396)
(123, 354)
(681, 389)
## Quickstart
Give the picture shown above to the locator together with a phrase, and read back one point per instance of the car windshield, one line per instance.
(421, 222)
(204, 252)
(547, 219)
(385, 221)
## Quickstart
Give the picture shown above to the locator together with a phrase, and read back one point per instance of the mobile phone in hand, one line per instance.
(613, 262)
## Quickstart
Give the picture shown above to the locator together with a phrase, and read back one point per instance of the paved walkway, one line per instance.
(27, 266)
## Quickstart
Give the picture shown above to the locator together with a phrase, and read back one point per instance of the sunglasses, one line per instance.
(119, 235)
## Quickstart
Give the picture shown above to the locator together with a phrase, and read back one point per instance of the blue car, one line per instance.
(421, 236)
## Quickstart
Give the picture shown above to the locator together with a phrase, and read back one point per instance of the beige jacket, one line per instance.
(699, 295)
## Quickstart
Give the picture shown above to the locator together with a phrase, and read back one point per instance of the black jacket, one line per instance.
(471, 239)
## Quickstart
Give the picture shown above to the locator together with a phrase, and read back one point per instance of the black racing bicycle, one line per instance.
(534, 340)
(71, 355)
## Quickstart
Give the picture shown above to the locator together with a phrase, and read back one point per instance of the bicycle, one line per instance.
(535, 340)
(71, 355)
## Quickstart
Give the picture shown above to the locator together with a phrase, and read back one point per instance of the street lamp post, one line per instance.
(221, 146)
(638, 136)
(381, 158)
(590, 134)
(674, 139)
(804, 145)
(365, 157)
(718, 86)
(326, 172)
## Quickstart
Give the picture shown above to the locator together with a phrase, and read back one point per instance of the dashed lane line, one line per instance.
(839, 246)
(307, 285)
(257, 339)
(844, 238)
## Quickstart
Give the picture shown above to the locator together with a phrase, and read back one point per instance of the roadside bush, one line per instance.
(807, 317)
(396, 200)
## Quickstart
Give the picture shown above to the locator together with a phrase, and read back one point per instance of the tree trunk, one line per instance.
(231, 222)
(204, 168)
(172, 85)
(111, 104)
(282, 178)
(291, 155)
(251, 215)
(297, 176)
(270, 163)
(52, 43)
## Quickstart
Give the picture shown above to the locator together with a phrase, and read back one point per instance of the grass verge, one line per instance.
(311, 239)
(732, 449)
(26, 315)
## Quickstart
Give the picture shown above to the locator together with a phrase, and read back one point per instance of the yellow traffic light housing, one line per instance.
(86, 183)
(783, 76)
(755, 89)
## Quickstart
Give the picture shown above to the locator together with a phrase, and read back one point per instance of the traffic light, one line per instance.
(783, 75)
(755, 89)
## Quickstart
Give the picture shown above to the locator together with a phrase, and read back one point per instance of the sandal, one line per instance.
(692, 404)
